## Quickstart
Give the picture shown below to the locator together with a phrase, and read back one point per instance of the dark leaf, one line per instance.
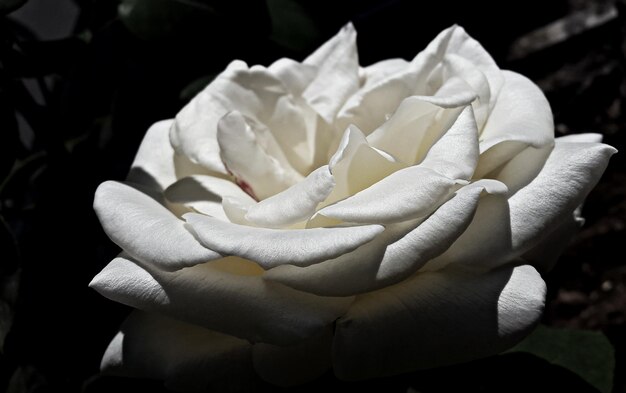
(292, 26)
(8, 134)
(588, 354)
(195, 87)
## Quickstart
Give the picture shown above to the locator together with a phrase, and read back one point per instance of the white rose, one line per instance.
(375, 220)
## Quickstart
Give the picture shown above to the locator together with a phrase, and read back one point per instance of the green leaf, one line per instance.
(588, 354)
(7, 6)
(159, 19)
(292, 26)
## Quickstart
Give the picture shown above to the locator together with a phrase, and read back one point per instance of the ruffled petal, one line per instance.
(520, 118)
(338, 73)
(370, 107)
(259, 96)
(415, 126)
(406, 194)
(455, 154)
(436, 319)
(274, 247)
(394, 255)
(227, 295)
(186, 357)
(147, 230)
(295, 76)
(295, 204)
(258, 172)
(356, 165)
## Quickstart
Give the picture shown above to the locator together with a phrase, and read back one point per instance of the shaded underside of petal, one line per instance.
(186, 357)
(295, 364)
(147, 230)
(217, 298)
(274, 247)
(204, 194)
(437, 319)
(394, 255)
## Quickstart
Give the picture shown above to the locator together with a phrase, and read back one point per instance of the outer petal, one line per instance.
(154, 163)
(394, 255)
(186, 357)
(274, 247)
(338, 73)
(570, 173)
(502, 230)
(436, 319)
(521, 117)
(145, 229)
(226, 295)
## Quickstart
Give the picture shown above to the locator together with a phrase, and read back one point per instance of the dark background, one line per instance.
(80, 83)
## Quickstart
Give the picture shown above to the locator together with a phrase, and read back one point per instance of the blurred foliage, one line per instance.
(588, 354)
(74, 109)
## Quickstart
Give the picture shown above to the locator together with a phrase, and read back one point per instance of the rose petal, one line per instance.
(258, 95)
(338, 73)
(239, 148)
(544, 255)
(145, 229)
(455, 154)
(295, 76)
(153, 165)
(503, 230)
(204, 194)
(570, 173)
(394, 255)
(417, 123)
(186, 357)
(295, 204)
(295, 364)
(226, 295)
(520, 118)
(377, 72)
(436, 319)
(274, 247)
(370, 107)
(356, 165)
(406, 194)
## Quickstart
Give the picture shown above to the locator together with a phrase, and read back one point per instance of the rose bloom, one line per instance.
(373, 220)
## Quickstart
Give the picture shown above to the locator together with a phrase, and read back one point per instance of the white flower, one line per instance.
(376, 219)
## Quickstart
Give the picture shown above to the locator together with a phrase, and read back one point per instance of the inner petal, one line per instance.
(257, 172)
